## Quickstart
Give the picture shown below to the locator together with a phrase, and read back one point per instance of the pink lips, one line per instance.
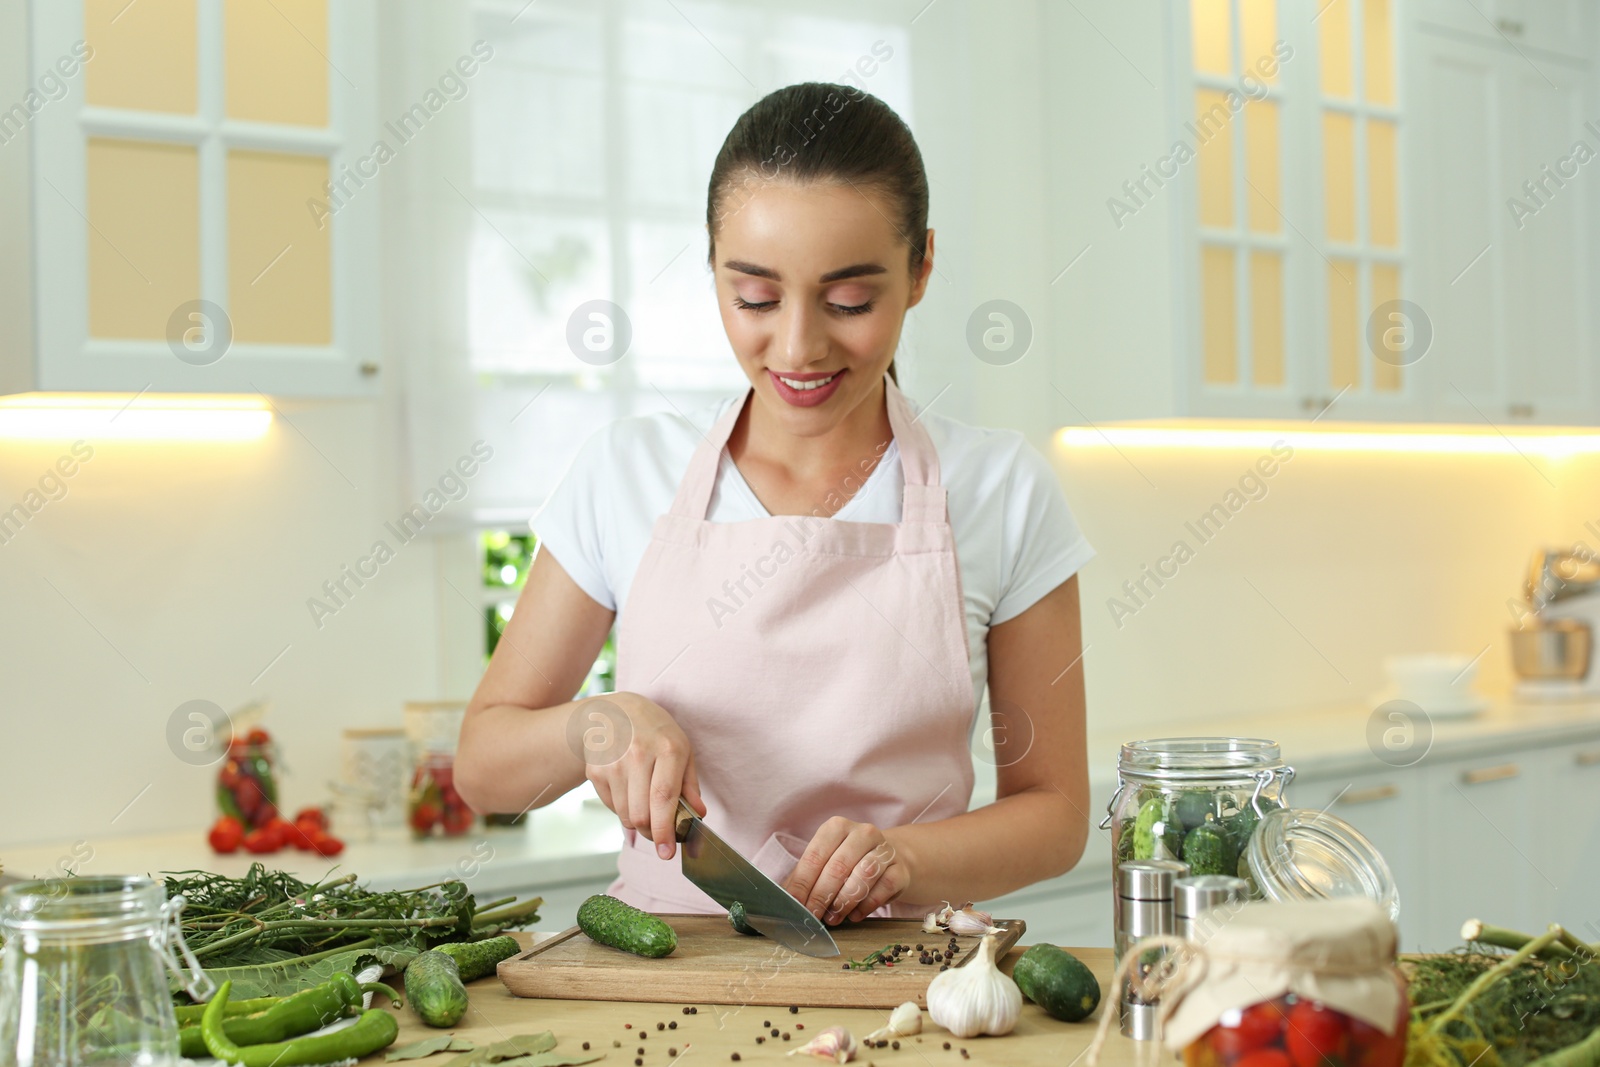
(807, 398)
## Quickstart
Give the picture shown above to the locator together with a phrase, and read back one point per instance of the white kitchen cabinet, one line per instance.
(1387, 807)
(1567, 836)
(1480, 849)
(1503, 267)
(1560, 26)
(187, 198)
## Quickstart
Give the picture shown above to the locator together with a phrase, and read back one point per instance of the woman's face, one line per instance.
(813, 283)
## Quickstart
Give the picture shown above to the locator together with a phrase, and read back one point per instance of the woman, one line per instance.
(815, 580)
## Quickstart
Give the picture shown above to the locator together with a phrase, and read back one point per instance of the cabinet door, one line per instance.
(1386, 806)
(1460, 275)
(1568, 850)
(1552, 25)
(1479, 849)
(1546, 221)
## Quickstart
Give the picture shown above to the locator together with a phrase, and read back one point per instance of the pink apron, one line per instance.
(818, 667)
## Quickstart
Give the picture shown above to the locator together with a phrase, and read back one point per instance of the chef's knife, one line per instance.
(725, 876)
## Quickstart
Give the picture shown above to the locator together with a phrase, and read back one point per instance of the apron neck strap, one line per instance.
(924, 496)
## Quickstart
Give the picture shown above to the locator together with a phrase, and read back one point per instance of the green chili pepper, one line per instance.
(375, 1029)
(305, 1011)
(189, 1014)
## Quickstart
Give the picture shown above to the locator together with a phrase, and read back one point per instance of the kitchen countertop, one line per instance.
(714, 1033)
(577, 842)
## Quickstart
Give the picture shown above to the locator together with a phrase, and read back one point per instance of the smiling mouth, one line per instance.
(806, 385)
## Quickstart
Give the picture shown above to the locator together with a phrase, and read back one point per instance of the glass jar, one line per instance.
(1293, 985)
(1194, 799)
(1305, 854)
(247, 785)
(81, 977)
(433, 805)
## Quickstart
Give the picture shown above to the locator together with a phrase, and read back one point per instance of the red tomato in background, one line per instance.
(226, 835)
(457, 820)
(1317, 1036)
(423, 817)
(258, 737)
(261, 841)
(1264, 1057)
(313, 815)
(1259, 1026)
(326, 844)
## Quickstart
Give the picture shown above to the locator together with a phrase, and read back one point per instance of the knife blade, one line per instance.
(725, 876)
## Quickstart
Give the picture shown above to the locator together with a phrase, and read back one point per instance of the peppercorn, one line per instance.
(947, 1045)
(661, 1026)
(673, 1025)
(766, 1022)
(640, 1050)
(799, 1026)
(736, 1055)
(586, 1046)
(761, 1039)
(638, 1061)
(774, 1031)
(627, 1026)
(786, 1035)
(672, 1052)
(794, 1009)
(694, 1010)
(686, 1011)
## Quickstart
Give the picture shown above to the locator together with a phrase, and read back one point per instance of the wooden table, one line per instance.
(714, 1033)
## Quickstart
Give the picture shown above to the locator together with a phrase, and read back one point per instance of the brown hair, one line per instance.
(823, 132)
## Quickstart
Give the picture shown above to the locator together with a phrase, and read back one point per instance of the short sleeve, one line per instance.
(1041, 544)
(570, 524)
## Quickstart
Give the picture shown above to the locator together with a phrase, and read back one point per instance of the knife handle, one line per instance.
(684, 820)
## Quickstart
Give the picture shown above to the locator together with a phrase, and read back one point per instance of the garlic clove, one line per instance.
(930, 925)
(970, 921)
(834, 1043)
(975, 999)
(904, 1021)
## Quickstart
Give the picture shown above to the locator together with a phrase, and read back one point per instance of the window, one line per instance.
(1296, 127)
(594, 127)
(506, 557)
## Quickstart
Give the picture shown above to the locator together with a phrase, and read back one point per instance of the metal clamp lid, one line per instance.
(169, 941)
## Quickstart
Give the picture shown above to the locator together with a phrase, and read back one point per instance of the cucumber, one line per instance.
(1058, 982)
(1156, 835)
(1208, 850)
(433, 985)
(612, 922)
(1192, 807)
(475, 959)
(737, 920)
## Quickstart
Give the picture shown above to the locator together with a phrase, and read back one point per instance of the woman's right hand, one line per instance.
(640, 762)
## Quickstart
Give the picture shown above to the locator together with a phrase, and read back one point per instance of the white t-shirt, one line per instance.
(1016, 539)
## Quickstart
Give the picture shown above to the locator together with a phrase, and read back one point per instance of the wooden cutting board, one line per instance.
(713, 964)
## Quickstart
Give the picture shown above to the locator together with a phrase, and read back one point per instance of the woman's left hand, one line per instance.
(849, 870)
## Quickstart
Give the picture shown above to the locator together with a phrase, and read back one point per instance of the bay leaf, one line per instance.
(428, 1046)
(512, 1048)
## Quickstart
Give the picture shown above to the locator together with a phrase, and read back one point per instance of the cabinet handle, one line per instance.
(1589, 758)
(1509, 27)
(1370, 796)
(1480, 775)
(1520, 411)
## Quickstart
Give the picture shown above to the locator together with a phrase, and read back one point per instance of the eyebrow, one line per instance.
(855, 270)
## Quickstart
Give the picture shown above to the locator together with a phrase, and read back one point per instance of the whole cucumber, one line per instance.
(475, 959)
(1058, 982)
(433, 985)
(612, 922)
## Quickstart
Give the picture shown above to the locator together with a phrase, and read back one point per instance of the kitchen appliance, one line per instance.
(1552, 647)
(715, 965)
(726, 877)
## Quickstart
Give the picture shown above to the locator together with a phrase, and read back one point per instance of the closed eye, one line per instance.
(852, 309)
(765, 305)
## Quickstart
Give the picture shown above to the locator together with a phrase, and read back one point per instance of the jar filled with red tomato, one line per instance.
(247, 786)
(1308, 984)
(433, 805)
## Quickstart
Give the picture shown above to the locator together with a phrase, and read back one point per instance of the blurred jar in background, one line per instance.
(433, 805)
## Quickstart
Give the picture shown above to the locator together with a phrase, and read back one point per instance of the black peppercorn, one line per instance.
(735, 1056)
(686, 1011)
(894, 1044)
(786, 1035)
(586, 1046)
(661, 1026)
(672, 1052)
(761, 1039)
(947, 1045)
(794, 1009)
(673, 1025)
(638, 1062)
(774, 1031)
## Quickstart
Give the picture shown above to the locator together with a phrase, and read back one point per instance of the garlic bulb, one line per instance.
(975, 999)
(903, 1022)
(834, 1043)
(971, 921)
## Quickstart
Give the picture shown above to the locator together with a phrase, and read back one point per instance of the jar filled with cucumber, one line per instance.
(1194, 799)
